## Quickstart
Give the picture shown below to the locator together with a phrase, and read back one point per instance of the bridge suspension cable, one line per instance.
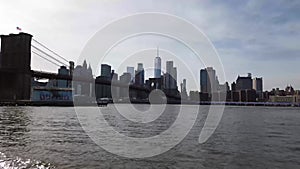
(50, 50)
(45, 58)
(38, 49)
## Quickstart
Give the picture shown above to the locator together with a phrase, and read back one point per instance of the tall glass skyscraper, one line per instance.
(157, 65)
(131, 71)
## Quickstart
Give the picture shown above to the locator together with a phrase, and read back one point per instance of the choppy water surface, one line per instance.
(247, 137)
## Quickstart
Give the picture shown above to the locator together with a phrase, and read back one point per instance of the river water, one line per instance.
(247, 137)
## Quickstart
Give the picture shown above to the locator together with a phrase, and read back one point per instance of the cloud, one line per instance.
(263, 33)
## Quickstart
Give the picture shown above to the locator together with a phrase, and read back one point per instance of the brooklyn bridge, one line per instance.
(16, 75)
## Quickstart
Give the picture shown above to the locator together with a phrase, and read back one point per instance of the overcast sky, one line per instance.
(257, 36)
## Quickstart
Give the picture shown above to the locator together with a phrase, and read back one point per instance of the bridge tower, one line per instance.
(15, 70)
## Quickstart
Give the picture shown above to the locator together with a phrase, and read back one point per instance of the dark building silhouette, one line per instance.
(235, 96)
(204, 97)
(63, 83)
(233, 86)
(140, 75)
(15, 70)
(244, 83)
(247, 95)
(289, 90)
(258, 87)
(139, 81)
(245, 89)
(106, 70)
(154, 83)
(71, 67)
(104, 91)
(170, 77)
(203, 81)
(208, 80)
(170, 80)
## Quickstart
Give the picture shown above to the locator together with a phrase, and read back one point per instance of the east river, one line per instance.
(246, 137)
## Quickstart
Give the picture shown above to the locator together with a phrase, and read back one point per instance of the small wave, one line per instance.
(17, 162)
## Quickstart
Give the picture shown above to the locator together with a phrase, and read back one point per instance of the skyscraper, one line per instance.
(214, 83)
(183, 89)
(208, 80)
(171, 76)
(82, 88)
(63, 71)
(157, 65)
(244, 83)
(169, 66)
(258, 86)
(131, 71)
(125, 78)
(140, 75)
(203, 81)
(106, 70)
(140, 67)
(174, 78)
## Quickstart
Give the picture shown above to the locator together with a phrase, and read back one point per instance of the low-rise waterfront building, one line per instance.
(293, 99)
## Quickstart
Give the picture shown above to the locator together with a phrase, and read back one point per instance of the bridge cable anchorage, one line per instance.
(50, 50)
(48, 55)
(45, 58)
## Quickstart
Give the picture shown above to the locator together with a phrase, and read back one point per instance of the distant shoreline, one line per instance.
(71, 104)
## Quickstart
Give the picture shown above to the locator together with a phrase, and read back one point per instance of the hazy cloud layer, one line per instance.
(255, 36)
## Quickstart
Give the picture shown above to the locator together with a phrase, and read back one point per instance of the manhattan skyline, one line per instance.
(262, 39)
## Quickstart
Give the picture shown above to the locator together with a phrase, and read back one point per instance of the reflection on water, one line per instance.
(13, 127)
(17, 162)
(247, 137)
(15, 134)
